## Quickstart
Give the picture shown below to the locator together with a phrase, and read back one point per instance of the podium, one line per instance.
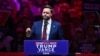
(46, 47)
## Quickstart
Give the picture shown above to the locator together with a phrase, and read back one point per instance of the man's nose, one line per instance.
(44, 14)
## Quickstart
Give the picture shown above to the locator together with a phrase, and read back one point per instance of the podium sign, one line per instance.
(44, 47)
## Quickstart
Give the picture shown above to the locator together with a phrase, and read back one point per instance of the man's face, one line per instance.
(46, 13)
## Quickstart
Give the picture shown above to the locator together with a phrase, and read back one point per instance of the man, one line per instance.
(46, 29)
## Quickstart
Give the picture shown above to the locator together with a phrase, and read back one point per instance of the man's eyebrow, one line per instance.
(46, 12)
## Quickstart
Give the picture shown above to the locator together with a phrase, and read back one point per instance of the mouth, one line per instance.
(45, 17)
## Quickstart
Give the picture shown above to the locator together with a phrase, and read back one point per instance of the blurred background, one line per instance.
(80, 26)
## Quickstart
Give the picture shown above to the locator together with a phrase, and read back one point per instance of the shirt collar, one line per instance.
(49, 21)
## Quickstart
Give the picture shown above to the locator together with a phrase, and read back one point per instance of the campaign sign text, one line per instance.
(43, 47)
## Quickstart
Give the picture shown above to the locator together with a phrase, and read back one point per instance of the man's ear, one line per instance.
(51, 14)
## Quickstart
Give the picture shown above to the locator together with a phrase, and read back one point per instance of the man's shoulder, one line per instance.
(40, 21)
(55, 22)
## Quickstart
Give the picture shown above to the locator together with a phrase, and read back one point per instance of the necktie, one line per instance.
(44, 30)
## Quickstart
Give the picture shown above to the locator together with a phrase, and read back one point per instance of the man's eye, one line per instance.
(43, 12)
(46, 12)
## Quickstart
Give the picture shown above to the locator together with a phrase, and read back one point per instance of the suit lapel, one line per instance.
(40, 29)
(52, 29)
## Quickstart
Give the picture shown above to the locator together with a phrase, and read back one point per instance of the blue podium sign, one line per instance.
(44, 47)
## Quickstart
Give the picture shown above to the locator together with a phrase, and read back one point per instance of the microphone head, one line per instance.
(45, 22)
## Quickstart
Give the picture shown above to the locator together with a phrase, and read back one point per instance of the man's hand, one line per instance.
(28, 32)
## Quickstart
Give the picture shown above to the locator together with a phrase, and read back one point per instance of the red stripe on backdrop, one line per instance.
(22, 54)
(87, 54)
(12, 54)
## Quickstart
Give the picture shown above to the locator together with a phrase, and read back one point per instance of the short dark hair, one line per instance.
(48, 6)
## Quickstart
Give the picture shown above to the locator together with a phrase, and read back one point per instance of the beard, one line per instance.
(46, 17)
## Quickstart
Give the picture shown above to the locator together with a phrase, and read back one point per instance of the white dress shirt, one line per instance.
(48, 28)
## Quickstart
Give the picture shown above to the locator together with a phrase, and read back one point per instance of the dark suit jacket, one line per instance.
(56, 32)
